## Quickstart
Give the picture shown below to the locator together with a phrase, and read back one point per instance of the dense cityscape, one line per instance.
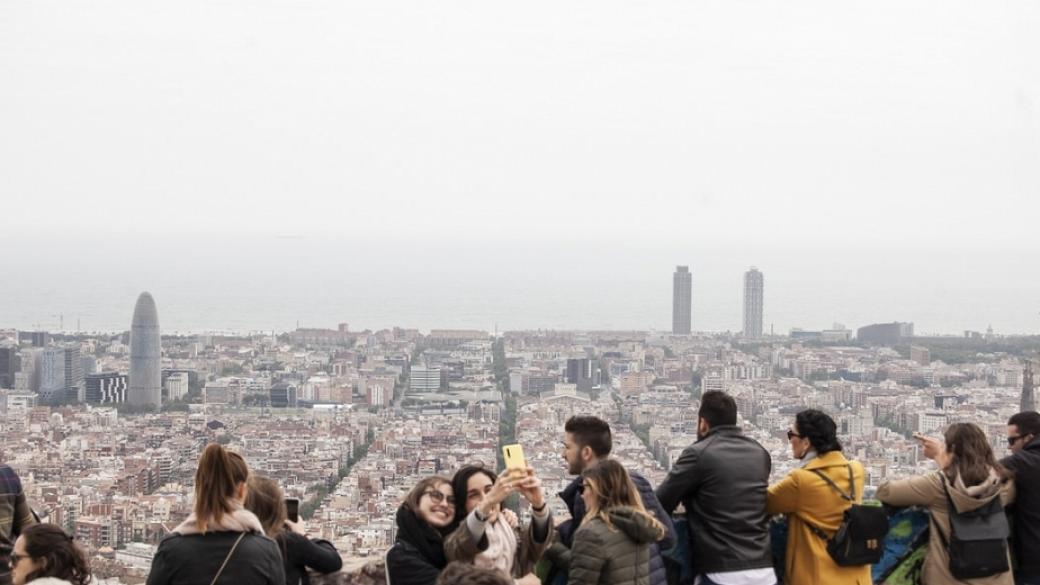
(105, 430)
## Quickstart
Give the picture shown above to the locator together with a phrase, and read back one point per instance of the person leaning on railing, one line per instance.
(813, 505)
(973, 479)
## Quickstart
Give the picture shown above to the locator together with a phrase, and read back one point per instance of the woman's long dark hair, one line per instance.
(460, 486)
(58, 554)
(971, 457)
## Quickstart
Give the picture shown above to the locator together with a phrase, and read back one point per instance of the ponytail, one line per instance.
(219, 473)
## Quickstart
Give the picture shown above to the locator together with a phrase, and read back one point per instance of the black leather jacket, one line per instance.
(721, 480)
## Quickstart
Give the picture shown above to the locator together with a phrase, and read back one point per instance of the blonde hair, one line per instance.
(613, 488)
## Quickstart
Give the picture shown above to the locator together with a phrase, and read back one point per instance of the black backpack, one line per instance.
(860, 540)
(977, 545)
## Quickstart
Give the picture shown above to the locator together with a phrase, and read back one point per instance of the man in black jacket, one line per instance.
(587, 440)
(721, 481)
(1023, 438)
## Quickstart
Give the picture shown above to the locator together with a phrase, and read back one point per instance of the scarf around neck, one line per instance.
(501, 550)
(238, 520)
(427, 539)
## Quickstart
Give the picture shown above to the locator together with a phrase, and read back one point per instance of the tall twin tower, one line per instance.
(682, 301)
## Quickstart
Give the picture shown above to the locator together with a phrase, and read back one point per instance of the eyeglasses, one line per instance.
(792, 434)
(15, 557)
(438, 498)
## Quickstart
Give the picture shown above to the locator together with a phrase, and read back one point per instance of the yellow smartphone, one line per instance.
(514, 457)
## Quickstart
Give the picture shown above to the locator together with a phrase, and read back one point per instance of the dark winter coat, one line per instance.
(194, 559)
(572, 497)
(406, 565)
(1026, 510)
(614, 554)
(300, 553)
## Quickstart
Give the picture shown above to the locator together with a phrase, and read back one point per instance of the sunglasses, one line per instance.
(438, 498)
(1013, 440)
(792, 434)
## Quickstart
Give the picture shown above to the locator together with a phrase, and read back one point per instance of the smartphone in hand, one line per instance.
(292, 509)
(514, 458)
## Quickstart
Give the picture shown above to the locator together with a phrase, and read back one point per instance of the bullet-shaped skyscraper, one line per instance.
(145, 354)
(754, 290)
(682, 298)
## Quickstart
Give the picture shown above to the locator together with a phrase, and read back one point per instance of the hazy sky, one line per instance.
(675, 127)
(642, 120)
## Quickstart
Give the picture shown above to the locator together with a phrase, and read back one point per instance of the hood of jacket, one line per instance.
(968, 498)
(636, 525)
(49, 581)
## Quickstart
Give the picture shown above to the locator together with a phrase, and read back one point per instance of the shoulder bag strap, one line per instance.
(833, 485)
(852, 485)
(227, 558)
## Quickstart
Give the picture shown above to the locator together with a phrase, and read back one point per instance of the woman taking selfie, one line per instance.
(426, 515)
(612, 545)
(299, 553)
(490, 537)
(221, 542)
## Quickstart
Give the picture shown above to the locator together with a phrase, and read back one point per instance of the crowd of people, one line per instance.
(456, 531)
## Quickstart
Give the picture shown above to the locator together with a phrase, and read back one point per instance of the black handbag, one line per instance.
(860, 539)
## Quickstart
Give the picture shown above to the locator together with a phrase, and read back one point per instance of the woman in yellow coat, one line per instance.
(809, 501)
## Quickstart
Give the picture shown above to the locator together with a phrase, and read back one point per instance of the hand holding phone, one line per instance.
(292, 509)
(513, 455)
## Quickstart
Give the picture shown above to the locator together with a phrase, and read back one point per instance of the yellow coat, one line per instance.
(805, 497)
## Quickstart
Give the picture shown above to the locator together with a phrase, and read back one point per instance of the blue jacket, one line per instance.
(572, 497)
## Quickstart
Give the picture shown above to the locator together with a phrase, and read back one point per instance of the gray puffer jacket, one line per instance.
(612, 554)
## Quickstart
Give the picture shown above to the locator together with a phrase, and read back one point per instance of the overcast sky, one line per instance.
(649, 120)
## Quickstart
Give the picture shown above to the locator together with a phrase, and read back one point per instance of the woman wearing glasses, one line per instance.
(425, 517)
(492, 538)
(45, 555)
(815, 496)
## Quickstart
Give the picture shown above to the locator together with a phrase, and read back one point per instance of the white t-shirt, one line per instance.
(764, 576)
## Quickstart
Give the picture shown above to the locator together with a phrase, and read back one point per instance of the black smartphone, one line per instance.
(292, 509)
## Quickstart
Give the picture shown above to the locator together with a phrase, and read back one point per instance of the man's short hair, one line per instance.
(718, 408)
(1028, 422)
(591, 432)
(459, 573)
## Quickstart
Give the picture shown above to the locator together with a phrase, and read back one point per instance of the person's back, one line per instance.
(221, 541)
(1024, 442)
(190, 559)
(15, 516)
(722, 480)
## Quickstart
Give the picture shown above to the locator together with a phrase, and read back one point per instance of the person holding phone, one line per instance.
(491, 537)
(299, 553)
